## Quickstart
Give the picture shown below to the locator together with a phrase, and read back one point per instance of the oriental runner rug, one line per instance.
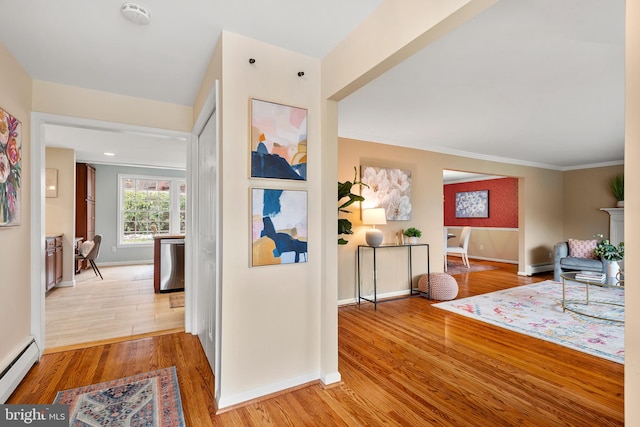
(536, 310)
(149, 399)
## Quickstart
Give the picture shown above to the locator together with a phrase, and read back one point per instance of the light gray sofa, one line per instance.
(565, 263)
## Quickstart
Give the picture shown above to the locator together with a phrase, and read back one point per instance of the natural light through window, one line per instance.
(148, 206)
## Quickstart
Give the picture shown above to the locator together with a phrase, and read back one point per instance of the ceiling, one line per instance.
(537, 82)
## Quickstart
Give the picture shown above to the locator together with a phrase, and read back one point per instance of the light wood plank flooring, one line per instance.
(121, 305)
(406, 364)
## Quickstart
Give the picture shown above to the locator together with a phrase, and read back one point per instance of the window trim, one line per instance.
(174, 208)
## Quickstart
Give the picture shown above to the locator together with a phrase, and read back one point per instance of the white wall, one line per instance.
(279, 329)
(270, 314)
(73, 101)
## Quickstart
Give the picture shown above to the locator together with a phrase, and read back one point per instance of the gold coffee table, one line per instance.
(587, 283)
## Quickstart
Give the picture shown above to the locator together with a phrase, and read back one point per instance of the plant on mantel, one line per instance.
(617, 188)
(344, 190)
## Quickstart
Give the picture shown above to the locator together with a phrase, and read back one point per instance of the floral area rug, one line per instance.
(456, 266)
(149, 399)
(536, 310)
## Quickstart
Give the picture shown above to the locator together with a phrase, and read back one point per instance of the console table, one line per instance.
(374, 249)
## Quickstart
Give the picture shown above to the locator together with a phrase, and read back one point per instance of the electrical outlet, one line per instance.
(481, 247)
(113, 248)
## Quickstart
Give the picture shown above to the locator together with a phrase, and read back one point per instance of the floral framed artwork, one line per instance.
(389, 189)
(472, 204)
(278, 226)
(278, 141)
(10, 169)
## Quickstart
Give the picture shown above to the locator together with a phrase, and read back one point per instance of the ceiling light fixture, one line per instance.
(136, 13)
(109, 154)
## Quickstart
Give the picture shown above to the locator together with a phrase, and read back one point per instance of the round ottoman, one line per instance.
(443, 286)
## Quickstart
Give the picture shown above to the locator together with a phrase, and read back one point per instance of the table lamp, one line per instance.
(375, 216)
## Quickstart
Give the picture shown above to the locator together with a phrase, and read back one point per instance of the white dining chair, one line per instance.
(446, 238)
(462, 247)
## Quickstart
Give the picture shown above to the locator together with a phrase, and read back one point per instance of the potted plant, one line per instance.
(344, 190)
(612, 253)
(413, 234)
(617, 188)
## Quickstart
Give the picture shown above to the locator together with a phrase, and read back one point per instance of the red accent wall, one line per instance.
(503, 203)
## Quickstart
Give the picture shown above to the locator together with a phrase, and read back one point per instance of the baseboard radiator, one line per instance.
(16, 370)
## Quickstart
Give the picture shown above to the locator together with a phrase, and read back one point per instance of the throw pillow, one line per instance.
(582, 248)
(86, 247)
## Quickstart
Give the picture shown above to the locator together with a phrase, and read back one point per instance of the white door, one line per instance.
(206, 257)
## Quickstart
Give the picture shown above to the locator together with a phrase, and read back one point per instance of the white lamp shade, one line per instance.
(375, 216)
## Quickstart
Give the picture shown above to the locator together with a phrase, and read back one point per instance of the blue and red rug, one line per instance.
(149, 399)
(536, 310)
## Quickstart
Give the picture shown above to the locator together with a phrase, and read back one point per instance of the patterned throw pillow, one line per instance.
(582, 248)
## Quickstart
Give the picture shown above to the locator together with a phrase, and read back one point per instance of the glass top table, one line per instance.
(580, 306)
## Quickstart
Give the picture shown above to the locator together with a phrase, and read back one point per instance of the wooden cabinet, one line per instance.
(85, 205)
(53, 261)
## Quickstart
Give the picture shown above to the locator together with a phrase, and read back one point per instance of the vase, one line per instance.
(612, 271)
(620, 204)
(413, 240)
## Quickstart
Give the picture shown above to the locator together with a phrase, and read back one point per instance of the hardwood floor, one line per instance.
(405, 364)
(121, 305)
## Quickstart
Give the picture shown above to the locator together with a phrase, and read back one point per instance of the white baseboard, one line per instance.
(226, 401)
(347, 301)
(536, 268)
(506, 261)
(541, 268)
(380, 296)
(331, 378)
(66, 284)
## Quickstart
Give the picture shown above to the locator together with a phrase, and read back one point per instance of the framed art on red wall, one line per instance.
(472, 204)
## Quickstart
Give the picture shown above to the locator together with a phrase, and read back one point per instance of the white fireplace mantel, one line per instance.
(616, 224)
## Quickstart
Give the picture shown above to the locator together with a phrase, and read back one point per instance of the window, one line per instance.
(150, 205)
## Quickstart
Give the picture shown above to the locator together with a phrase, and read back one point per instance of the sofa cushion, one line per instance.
(575, 263)
(582, 248)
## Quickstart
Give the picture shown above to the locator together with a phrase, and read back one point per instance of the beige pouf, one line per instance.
(443, 286)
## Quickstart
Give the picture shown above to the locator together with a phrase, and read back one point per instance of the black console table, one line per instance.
(362, 248)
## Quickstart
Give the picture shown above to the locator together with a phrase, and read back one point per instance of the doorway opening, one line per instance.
(487, 206)
(133, 142)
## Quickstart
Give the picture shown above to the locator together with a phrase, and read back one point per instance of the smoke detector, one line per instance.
(136, 13)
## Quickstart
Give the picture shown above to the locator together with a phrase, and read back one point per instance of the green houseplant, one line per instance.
(412, 233)
(605, 250)
(344, 191)
(612, 253)
(617, 188)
